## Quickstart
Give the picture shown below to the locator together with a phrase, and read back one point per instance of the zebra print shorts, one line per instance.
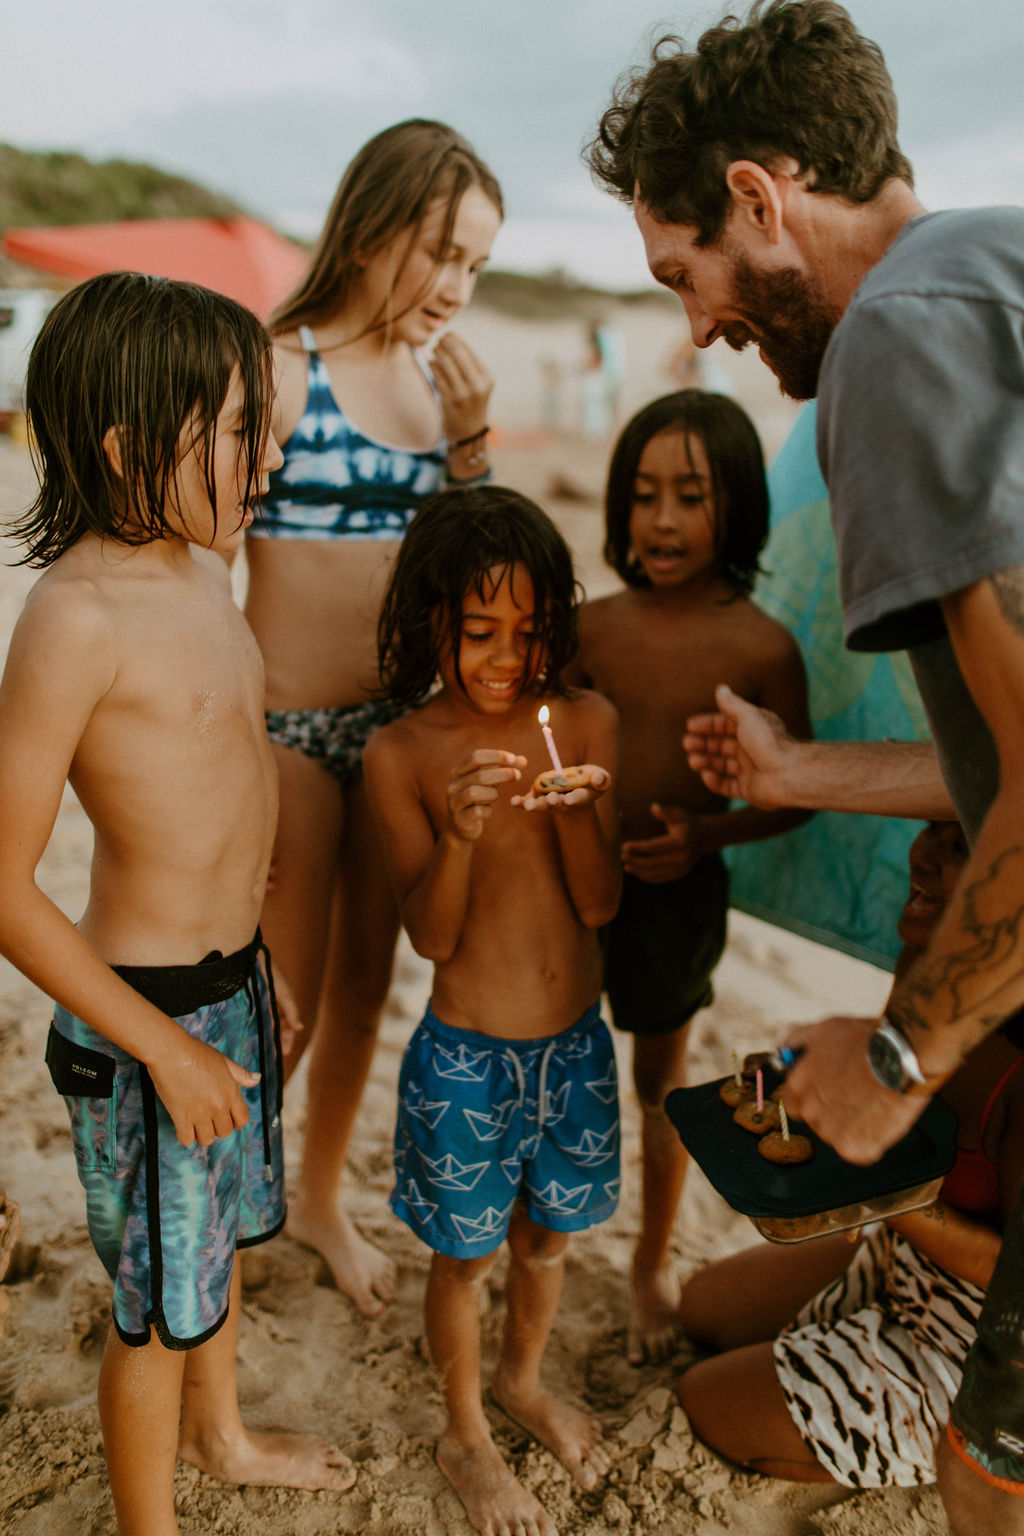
(870, 1366)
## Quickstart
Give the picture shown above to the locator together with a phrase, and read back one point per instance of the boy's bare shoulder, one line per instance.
(587, 701)
(400, 741)
(64, 647)
(67, 605)
(598, 612)
(770, 637)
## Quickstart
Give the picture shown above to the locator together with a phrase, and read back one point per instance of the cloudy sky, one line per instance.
(266, 100)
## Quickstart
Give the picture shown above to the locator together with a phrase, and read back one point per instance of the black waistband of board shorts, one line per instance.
(181, 989)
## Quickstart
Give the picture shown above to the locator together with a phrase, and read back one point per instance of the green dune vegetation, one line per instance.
(59, 187)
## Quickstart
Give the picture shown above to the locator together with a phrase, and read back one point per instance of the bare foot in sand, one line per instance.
(567, 1432)
(10, 1231)
(271, 1461)
(494, 1499)
(653, 1313)
(360, 1270)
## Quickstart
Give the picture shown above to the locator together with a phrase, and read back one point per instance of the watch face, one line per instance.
(885, 1062)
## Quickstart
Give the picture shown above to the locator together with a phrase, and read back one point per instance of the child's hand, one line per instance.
(464, 386)
(471, 791)
(671, 856)
(288, 1016)
(600, 780)
(199, 1088)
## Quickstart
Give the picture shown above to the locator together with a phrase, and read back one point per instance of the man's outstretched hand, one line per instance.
(740, 751)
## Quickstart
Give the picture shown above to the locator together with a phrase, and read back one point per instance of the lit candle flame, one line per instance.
(543, 716)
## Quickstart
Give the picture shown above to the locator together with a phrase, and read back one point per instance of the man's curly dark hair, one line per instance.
(794, 79)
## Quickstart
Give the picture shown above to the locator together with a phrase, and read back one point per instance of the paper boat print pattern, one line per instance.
(483, 1125)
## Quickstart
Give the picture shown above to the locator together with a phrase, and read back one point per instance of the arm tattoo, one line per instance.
(1009, 589)
(990, 941)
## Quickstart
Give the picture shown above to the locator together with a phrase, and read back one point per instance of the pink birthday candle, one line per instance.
(543, 715)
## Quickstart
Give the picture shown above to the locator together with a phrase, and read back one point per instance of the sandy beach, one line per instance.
(307, 1360)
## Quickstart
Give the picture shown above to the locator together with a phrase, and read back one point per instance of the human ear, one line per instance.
(112, 449)
(757, 199)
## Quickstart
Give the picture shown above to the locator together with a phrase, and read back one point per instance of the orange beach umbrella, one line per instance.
(241, 257)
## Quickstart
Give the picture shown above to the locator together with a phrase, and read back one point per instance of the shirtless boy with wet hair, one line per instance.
(508, 1115)
(132, 676)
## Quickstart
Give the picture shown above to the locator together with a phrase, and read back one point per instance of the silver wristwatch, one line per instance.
(892, 1058)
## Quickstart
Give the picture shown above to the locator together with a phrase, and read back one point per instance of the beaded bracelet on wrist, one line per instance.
(479, 455)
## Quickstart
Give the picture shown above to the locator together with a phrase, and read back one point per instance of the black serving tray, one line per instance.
(752, 1185)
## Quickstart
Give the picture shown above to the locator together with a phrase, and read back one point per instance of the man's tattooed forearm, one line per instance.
(968, 980)
(1009, 589)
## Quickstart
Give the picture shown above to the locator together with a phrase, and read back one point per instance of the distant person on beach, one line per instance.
(840, 1362)
(601, 380)
(773, 198)
(686, 517)
(508, 1122)
(690, 368)
(552, 383)
(368, 429)
(684, 365)
(132, 676)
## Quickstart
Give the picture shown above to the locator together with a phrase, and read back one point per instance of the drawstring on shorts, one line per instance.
(512, 1057)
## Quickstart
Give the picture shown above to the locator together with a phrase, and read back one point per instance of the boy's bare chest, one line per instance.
(193, 665)
(666, 669)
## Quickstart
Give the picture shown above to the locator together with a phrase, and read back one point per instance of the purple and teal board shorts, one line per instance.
(486, 1122)
(165, 1219)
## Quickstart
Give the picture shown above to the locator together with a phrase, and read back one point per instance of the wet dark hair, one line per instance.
(737, 479)
(463, 541)
(153, 360)
(389, 186)
(793, 79)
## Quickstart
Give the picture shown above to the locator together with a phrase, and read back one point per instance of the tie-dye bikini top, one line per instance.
(337, 483)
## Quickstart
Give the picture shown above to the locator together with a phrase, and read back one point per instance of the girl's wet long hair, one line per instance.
(151, 359)
(462, 542)
(389, 187)
(739, 488)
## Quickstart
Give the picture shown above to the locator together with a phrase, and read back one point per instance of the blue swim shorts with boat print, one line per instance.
(484, 1122)
(165, 1219)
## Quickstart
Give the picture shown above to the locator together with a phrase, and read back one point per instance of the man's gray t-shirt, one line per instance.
(921, 442)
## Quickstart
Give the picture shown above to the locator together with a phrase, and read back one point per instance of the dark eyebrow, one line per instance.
(488, 618)
(670, 274)
(690, 474)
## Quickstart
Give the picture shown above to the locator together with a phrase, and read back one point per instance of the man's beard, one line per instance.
(786, 317)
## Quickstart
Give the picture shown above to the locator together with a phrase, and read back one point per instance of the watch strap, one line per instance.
(918, 1083)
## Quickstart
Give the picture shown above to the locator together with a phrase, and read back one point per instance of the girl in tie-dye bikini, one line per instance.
(508, 1107)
